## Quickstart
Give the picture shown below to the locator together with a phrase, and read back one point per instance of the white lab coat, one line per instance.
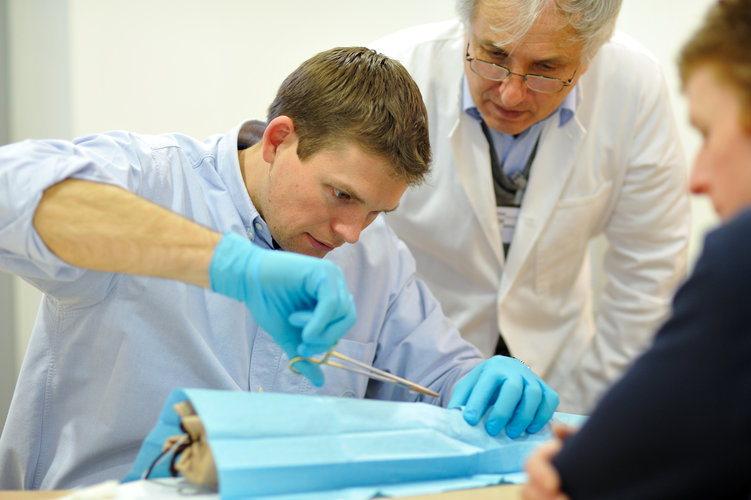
(617, 169)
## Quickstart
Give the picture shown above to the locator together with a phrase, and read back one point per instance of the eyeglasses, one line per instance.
(497, 73)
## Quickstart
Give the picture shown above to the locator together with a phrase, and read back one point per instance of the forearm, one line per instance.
(106, 228)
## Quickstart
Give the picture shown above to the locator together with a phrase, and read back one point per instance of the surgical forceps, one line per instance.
(363, 369)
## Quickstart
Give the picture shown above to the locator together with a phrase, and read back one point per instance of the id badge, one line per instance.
(507, 217)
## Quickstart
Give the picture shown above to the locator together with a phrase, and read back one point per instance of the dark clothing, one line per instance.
(678, 424)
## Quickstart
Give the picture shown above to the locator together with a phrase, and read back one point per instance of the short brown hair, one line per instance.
(722, 43)
(355, 94)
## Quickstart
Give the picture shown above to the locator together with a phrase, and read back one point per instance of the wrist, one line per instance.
(235, 259)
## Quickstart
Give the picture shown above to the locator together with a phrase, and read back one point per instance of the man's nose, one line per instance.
(349, 228)
(698, 181)
(512, 90)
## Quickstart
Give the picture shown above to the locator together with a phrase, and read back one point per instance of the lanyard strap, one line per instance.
(509, 190)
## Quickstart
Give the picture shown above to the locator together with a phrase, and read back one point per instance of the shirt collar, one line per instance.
(228, 168)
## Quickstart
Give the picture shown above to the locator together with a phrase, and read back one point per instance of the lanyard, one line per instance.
(509, 190)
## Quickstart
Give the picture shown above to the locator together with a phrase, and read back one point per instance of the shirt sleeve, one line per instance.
(677, 425)
(28, 168)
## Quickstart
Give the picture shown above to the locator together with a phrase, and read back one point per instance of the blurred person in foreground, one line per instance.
(678, 424)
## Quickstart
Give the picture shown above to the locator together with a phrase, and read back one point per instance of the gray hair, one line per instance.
(593, 20)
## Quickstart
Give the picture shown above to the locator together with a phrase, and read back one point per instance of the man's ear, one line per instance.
(583, 68)
(278, 130)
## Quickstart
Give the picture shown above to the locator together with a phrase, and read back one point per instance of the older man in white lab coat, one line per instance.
(581, 123)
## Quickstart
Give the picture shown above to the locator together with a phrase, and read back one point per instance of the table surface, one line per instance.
(502, 492)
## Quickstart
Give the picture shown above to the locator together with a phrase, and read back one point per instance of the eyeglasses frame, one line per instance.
(566, 83)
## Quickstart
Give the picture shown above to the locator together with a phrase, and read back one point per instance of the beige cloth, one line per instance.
(196, 462)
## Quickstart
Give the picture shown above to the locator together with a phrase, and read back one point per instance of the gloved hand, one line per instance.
(274, 284)
(516, 398)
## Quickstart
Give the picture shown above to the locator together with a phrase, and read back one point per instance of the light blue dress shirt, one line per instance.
(108, 348)
(514, 150)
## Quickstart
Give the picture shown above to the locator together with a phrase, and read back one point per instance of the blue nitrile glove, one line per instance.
(517, 399)
(274, 284)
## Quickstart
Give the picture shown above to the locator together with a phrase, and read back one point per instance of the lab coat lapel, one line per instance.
(472, 158)
(550, 171)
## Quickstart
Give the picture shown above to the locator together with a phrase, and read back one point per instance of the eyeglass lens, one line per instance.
(499, 73)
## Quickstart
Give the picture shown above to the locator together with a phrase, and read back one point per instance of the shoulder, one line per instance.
(726, 248)
(721, 278)
(624, 56)
(423, 36)
(627, 49)
(424, 46)
(625, 87)
(737, 229)
(432, 55)
(154, 148)
(624, 65)
(123, 139)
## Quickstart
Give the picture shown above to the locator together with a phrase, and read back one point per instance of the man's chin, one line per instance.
(319, 254)
(306, 250)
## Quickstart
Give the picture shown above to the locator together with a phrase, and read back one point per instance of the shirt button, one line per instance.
(251, 235)
(259, 226)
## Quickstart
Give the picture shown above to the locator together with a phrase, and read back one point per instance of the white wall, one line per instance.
(193, 66)
(7, 304)
(199, 67)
